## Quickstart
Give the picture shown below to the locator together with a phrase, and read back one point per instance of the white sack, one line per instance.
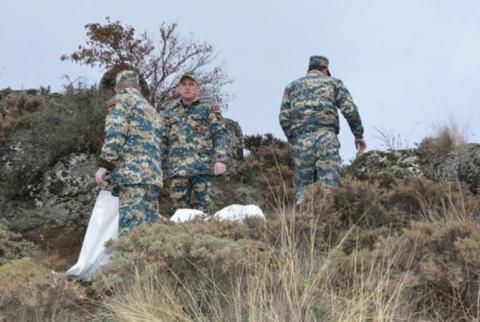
(103, 226)
(239, 212)
(183, 215)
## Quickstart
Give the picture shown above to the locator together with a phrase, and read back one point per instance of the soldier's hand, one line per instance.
(220, 168)
(360, 145)
(101, 177)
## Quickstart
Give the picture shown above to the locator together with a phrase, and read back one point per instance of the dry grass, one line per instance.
(299, 284)
(452, 135)
(145, 299)
(300, 291)
(423, 269)
(445, 139)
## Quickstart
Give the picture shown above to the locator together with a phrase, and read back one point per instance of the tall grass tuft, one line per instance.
(355, 253)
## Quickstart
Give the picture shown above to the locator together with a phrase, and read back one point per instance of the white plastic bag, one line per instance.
(103, 226)
(239, 212)
(184, 215)
(232, 212)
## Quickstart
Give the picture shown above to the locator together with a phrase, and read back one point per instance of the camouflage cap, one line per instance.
(318, 62)
(189, 75)
(127, 76)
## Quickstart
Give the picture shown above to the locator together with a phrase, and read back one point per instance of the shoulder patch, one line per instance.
(111, 104)
(218, 115)
(217, 111)
(199, 128)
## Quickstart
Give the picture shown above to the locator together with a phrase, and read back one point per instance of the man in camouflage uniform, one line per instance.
(309, 119)
(196, 146)
(131, 154)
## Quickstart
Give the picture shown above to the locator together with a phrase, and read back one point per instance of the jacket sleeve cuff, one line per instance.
(221, 158)
(102, 163)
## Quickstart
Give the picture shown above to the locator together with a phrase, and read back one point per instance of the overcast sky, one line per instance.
(410, 65)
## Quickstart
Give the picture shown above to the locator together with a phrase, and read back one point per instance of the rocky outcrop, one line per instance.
(235, 144)
(462, 164)
(387, 166)
(42, 145)
(31, 150)
(53, 210)
(48, 171)
(62, 196)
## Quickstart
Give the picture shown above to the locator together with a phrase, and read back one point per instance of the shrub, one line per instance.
(446, 139)
(351, 254)
(270, 169)
(31, 292)
(88, 106)
(443, 263)
(372, 211)
(185, 254)
(20, 102)
(13, 106)
(70, 122)
(13, 246)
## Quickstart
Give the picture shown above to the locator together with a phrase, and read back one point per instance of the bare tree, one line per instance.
(159, 61)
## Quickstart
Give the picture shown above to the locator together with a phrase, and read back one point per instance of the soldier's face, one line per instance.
(188, 89)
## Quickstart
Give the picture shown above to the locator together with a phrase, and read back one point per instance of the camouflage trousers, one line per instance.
(191, 192)
(316, 159)
(138, 204)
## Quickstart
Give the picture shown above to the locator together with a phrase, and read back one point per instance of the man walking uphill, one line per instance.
(131, 154)
(195, 140)
(309, 119)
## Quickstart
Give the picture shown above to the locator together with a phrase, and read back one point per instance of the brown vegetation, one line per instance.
(13, 105)
(356, 253)
(446, 139)
(32, 292)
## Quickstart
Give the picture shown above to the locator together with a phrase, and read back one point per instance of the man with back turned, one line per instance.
(309, 119)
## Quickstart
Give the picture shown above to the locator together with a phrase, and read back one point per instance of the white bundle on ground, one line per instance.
(103, 226)
(183, 215)
(232, 212)
(239, 212)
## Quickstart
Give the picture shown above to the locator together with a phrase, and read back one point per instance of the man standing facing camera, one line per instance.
(131, 154)
(196, 147)
(309, 119)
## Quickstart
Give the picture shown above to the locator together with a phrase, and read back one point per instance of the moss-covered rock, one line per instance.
(386, 166)
(462, 164)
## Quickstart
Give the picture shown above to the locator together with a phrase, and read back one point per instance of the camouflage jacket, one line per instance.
(311, 102)
(132, 148)
(195, 138)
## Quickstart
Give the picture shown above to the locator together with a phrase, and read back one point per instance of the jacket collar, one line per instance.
(130, 90)
(195, 102)
(316, 72)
